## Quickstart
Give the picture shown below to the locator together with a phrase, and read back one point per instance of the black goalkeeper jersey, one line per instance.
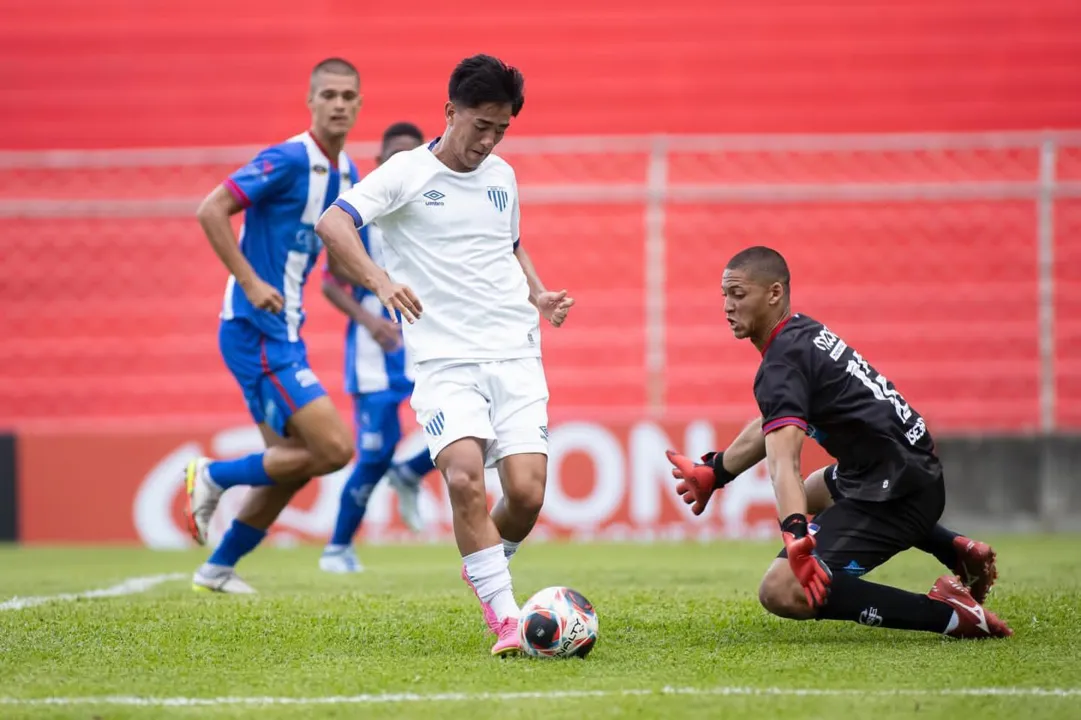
(811, 378)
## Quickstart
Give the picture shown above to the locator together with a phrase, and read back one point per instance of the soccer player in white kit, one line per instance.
(449, 215)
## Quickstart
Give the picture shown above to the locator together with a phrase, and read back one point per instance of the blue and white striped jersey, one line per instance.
(284, 191)
(368, 368)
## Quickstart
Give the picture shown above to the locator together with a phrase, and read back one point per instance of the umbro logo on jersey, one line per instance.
(434, 197)
(499, 197)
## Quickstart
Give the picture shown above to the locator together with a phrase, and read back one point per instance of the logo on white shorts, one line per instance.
(544, 431)
(435, 425)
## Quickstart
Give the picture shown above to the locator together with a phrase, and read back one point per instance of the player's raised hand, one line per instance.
(554, 306)
(696, 481)
(399, 298)
(263, 295)
(813, 574)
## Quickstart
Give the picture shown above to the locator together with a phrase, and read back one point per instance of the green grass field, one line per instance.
(681, 635)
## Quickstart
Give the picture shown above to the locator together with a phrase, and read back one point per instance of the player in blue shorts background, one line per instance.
(379, 376)
(282, 192)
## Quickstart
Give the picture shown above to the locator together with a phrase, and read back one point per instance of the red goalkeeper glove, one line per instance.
(813, 574)
(698, 481)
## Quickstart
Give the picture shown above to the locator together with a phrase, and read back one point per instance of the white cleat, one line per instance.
(223, 581)
(408, 500)
(340, 560)
(203, 498)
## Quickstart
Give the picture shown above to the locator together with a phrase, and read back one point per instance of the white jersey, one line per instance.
(451, 237)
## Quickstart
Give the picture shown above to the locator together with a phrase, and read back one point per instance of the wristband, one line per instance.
(715, 461)
(795, 525)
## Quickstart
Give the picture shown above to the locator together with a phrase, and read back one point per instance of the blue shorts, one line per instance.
(274, 375)
(379, 427)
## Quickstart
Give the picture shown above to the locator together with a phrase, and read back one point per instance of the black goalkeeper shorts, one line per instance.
(856, 536)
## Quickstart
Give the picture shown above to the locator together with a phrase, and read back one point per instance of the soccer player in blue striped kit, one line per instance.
(379, 376)
(282, 192)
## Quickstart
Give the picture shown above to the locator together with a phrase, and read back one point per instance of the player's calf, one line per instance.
(485, 565)
(263, 505)
(523, 478)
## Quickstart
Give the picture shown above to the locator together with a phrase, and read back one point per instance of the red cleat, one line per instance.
(973, 620)
(975, 566)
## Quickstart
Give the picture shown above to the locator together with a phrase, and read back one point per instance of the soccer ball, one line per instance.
(557, 622)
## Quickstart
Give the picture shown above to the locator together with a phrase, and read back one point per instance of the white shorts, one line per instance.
(504, 402)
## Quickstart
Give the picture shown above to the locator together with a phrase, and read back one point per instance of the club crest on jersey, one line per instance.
(435, 425)
(434, 198)
(499, 197)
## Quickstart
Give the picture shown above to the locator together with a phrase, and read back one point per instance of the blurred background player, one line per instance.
(887, 488)
(282, 192)
(379, 376)
(449, 213)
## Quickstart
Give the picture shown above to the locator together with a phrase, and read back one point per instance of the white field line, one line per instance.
(390, 698)
(131, 586)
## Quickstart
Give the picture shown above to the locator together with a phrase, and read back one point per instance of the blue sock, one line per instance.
(239, 540)
(354, 501)
(242, 471)
(416, 467)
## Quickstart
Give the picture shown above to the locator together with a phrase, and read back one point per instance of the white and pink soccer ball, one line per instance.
(557, 622)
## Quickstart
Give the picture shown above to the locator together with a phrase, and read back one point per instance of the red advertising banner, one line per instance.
(605, 481)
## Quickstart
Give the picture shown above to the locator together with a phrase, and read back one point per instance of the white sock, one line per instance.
(510, 547)
(335, 549)
(488, 571)
(952, 625)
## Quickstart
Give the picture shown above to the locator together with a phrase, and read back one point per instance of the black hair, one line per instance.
(484, 79)
(402, 129)
(763, 264)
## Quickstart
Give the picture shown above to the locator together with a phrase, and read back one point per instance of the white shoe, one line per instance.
(224, 581)
(203, 498)
(408, 499)
(340, 560)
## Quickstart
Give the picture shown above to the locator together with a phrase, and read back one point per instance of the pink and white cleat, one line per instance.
(508, 643)
(489, 614)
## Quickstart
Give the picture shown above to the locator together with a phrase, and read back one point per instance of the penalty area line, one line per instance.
(131, 586)
(390, 698)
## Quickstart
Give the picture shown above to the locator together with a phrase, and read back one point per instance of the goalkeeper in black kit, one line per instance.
(884, 495)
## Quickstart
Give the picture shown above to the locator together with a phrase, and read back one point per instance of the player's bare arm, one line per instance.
(747, 450)
(783, 448)
(383, 331)
(698, 481)
(213, 214)
(553, 306)
(338, 233)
